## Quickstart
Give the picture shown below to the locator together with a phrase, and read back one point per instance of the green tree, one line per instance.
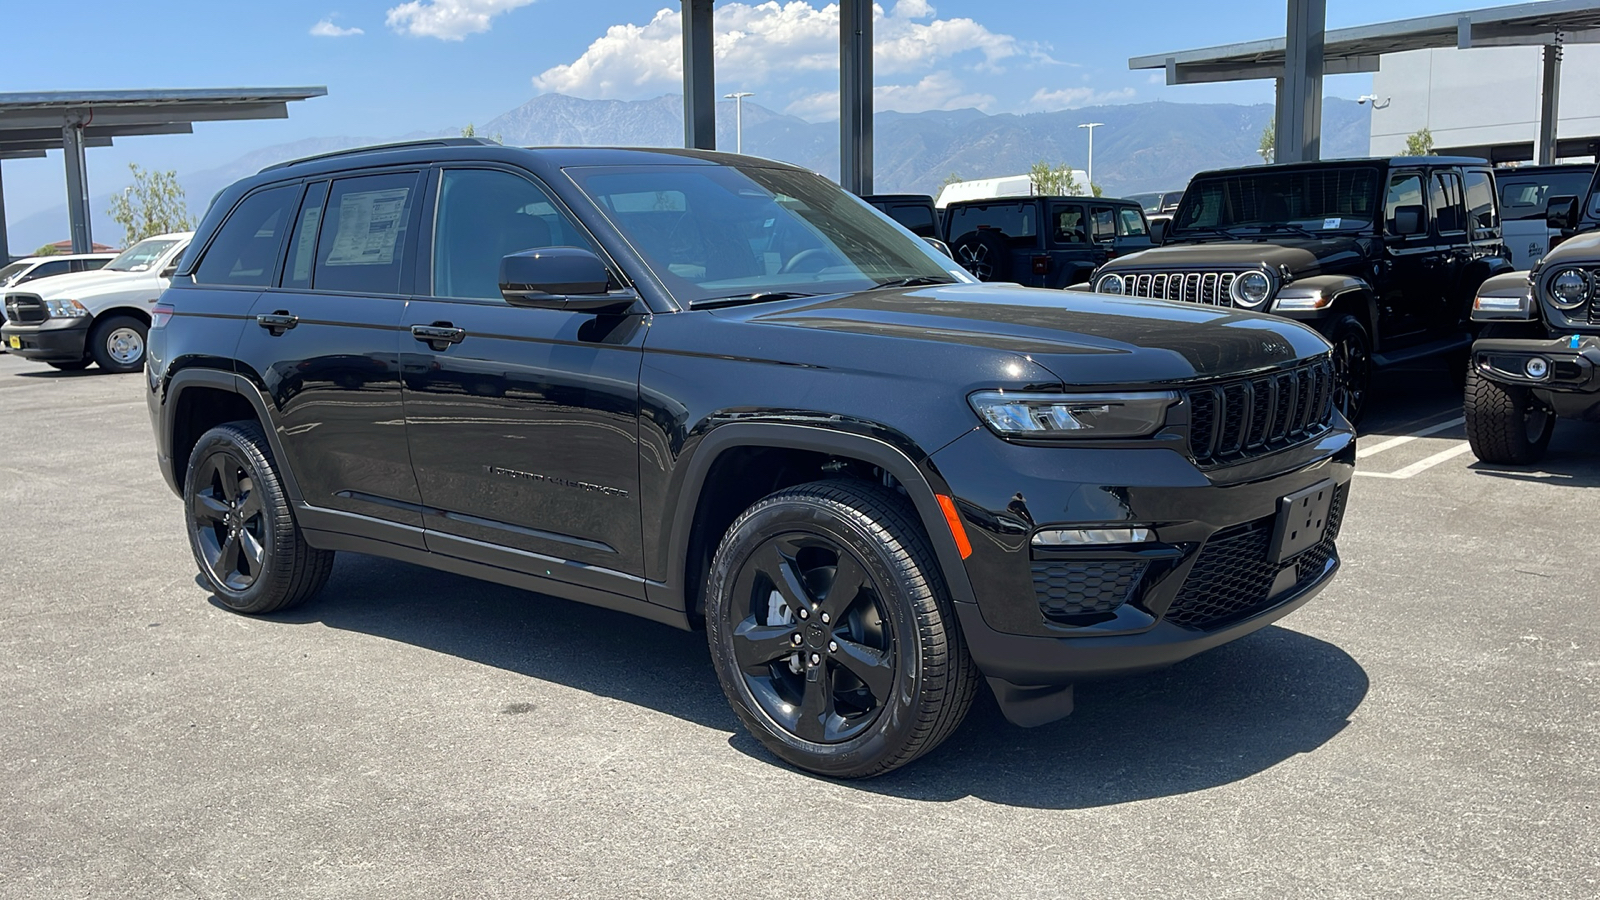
(472, 131)
(1053, 181)
(950, 179)
(1096, 189)
(153, 204)
(1269, 142)
(47, 250)
(1419, 143)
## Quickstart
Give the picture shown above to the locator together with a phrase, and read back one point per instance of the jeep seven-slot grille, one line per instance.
(1231, 421)
(24, 309)
(1210, 288)
(1233, 576)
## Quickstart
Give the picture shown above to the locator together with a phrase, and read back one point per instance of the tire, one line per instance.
(234, 500)
(117, 344)
(1505, 425)
(893, 677)
(77, 366)
(1352, 366)
(986, 254)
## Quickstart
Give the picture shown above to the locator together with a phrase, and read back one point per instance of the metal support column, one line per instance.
(1299, 123)
(1549, 104)
(77, 186)
(699, 79)
(5, 244)
(855, 96)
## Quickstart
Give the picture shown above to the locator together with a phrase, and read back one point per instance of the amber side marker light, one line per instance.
(953, 519)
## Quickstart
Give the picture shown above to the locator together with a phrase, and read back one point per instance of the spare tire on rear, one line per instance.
(985, 253)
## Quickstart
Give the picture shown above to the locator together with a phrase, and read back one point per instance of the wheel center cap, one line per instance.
(816, 637)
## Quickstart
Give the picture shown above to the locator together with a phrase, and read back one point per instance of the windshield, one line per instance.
(1148, 202)
(141, 256)
(713, 232)
(1313, 200)
(12, 271)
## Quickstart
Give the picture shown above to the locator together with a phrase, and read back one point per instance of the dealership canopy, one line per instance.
(31, 123)
(1307, 51)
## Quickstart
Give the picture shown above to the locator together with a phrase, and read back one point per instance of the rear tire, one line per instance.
(117, 344)
(881, 674)
(1505, 425)
(241, 528)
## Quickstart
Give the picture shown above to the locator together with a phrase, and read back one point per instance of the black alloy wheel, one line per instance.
(228, 520)
(1352, 366)
(985, 253)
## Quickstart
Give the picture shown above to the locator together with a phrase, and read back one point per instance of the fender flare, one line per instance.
(874, 451)
(1337, 288)
(1489, 267)
(233, 383)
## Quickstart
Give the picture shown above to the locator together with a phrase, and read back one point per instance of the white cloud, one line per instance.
(1072, 98)
(759, 43)
(940, 90)
(326, 28)
(448, 20)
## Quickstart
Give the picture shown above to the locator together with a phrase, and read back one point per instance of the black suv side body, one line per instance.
(915, 211)
(1381, 256)
(1049, 242)
(518, 365)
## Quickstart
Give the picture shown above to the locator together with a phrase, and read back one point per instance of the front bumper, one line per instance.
(1571, 381)
(1208, 576)
(53, 340)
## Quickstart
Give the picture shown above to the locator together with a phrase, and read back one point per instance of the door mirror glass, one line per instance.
(1561, 212)
(1408, 221)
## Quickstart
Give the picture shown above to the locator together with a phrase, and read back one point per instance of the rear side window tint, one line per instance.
(245, 250)
(1130, 223)
(303, 240)
(1480, 202)
(362, 241)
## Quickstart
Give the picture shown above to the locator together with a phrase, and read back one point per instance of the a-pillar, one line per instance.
(699, 77)
(77, 186)
(855, 96)
(1549, 103)
(1299, 115)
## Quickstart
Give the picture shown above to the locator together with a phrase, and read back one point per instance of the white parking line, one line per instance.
(1394, 442)
(1422, 465)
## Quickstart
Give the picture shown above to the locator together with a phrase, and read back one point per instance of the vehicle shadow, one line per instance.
(1571, 461)
(1211, 720)
(90, 372)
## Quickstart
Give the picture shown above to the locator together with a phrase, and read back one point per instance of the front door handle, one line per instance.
(278, 322)
(439, 335)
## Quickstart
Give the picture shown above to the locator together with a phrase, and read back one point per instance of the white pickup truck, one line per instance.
(101, 317)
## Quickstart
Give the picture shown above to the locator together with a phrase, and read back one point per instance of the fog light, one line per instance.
(1074, 537)
(1536, 367)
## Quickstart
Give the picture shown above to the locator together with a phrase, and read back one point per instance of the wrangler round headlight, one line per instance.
(1251, 289)
(1569, 289)
(1110, 284)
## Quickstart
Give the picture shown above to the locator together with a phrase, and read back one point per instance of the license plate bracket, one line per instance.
(14, 342)
(1302, 521)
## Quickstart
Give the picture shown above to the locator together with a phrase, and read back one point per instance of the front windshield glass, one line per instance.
(715, 232)
(10, 272)
(1270, 199)
(140, 256)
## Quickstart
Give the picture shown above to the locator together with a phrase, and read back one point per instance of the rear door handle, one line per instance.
(439, 335)
(278, 322)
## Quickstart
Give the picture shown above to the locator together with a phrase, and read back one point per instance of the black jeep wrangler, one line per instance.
(1381, 256)
(718, 391)
(1048, 242)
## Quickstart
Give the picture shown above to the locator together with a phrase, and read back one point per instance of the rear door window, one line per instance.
(245, 250)
(1481, 215)
(361, 245)
(1067, 225)
(1444, 202)
(46, 269)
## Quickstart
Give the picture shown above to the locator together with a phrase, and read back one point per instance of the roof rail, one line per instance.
(397, 145)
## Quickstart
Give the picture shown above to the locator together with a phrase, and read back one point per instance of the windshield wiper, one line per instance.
(911, 281)
(1285, 226)
(740, 299)
(1211, 228)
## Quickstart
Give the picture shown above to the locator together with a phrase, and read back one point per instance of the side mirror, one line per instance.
(940, 246)
(1158, 231)
(169, 271)
(568, 278)
(1561, 213)
(1408, 221)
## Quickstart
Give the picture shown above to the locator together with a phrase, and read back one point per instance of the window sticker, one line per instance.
(1331, 223)
(369, 228)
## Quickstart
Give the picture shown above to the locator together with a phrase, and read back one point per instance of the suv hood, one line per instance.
(1080, 338)
(1583, 248)
(1301, 256)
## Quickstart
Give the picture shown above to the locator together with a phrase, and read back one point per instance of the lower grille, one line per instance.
(1068, 589)
(1233, 576)
(1232, 421)
(24, 309)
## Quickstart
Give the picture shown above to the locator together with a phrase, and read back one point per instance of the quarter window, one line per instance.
(303, 242)
(245, 250)
(1444, 202)
(485, 215)
(361, 245)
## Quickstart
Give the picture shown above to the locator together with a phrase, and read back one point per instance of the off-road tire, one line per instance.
(1506, 425)
(291, 571)
(935, 679)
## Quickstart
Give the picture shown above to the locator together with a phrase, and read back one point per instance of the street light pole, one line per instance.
(1091, 126)
(738, 117)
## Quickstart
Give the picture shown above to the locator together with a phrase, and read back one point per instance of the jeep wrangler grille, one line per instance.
(1232, 421)
(1210, 288)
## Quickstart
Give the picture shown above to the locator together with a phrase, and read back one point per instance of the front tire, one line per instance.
(1352, 366)
(241, 528)
(1505, 425)
(831, 632)
(117, 344)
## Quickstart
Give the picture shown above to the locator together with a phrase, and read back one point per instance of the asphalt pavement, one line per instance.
(1429, 726)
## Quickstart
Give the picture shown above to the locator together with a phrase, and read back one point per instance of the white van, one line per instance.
(1004, 186)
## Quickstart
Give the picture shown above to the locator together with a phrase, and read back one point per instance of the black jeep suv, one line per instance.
(1382, 256)
(710, 389)
(1049, 242)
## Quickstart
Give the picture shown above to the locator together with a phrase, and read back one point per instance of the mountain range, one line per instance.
(1139, 146)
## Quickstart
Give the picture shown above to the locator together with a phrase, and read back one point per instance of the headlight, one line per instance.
(1569, 289)
(1073, 415)
(65, 309)
(1251, 289)
(1109, 284)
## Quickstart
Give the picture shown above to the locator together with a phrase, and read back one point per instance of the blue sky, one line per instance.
(397, 66)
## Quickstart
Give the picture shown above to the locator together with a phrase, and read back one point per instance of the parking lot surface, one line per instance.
(1429, 726)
